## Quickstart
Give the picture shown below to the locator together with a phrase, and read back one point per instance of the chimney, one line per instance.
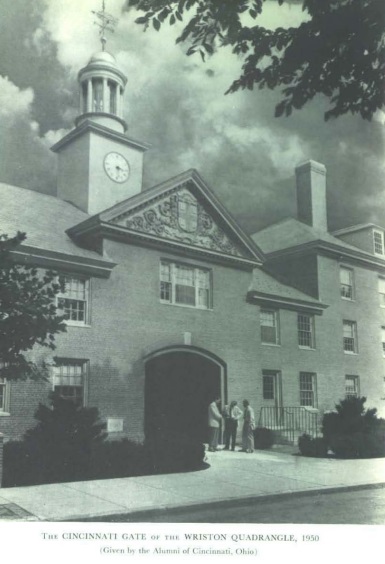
(311, 194)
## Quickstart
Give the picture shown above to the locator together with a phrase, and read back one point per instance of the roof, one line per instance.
(44, 219)
(291, 233)
(354, 228)
(265, 287)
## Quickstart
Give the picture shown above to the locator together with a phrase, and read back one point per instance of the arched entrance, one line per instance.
(180, 383)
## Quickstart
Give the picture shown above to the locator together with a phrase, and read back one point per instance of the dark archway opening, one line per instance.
(179, 386)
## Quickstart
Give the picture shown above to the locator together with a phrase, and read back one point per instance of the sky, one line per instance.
(177, 104)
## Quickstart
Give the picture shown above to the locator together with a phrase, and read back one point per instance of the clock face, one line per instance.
(116, 167)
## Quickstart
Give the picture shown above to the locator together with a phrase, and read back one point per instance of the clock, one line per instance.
(116, 167)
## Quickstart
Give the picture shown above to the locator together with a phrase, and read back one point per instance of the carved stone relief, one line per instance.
(179, 216)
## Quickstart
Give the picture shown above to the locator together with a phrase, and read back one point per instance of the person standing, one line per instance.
(214, 420)
(231, 414)
(248, 428)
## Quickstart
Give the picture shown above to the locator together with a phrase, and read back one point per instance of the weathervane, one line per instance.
(106, 23)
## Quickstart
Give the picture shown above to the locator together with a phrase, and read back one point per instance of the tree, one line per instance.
(28, 314)
(338, 50)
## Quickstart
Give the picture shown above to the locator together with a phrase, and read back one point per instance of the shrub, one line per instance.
(353, 431)
(312, 446)
(263, 438)
(175, 453)
(119, 459)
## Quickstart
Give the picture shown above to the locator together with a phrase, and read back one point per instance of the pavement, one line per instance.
(230, 478)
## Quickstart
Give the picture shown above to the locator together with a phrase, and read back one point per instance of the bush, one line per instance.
(119, 459)
(175, 453)
(353, 431)
(263, 438)
(312, 446)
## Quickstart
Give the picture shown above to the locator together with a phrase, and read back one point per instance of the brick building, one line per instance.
(170, 303)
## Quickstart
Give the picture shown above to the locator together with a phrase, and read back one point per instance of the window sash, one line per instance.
(351, 386)
(346, 283)
(350, 336)
(68, 379)
(307, 389)
(185, 285)
(378, 242)
(269, 327)
(269, 382)
(74, 299)
(306, 331)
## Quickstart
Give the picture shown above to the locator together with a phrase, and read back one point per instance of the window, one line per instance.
(74, 300)
(269, 327)
(185, 285)
(270, 381)
(306, 331)
(378, 240)
(4, 396)
(346, 282)
(381, 291)
(350, 336)
(69, 378)
(307, 389)
(352, 386)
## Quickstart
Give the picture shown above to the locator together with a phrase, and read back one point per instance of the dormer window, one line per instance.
(378, 241)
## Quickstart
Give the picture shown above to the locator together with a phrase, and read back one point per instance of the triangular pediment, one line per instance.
(183, 212)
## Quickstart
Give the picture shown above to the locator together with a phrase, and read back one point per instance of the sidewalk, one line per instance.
(231, 477)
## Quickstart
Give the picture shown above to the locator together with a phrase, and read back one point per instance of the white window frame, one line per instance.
(167, 287)
(61, 377)
(65, 295)
(347, 290)
(381, 290)
(302, 332)
(310, 400)
(380, 234)
(5, 396)
(353, 336)
(275, 317)
(352, 391)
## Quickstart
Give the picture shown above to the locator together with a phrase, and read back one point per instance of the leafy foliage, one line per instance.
(263, 438)
(353, 431)
(338, 50)
(312, 446)
(27, 311)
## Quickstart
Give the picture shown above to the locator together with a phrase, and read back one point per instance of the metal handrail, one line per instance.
(290, 421)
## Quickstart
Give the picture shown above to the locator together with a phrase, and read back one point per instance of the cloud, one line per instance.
(178, 104)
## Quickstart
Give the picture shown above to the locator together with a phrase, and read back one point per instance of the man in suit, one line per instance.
(214, 420)
(231, 414)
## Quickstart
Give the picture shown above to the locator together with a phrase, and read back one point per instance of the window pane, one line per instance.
(346, 280)
(349, 336)
(185, 285)
(269, 330)
(378, 242)
(184, 294)
(351, 386)
(305, 331)
(306, 386)
(268, 386)
(68, 381)
(73, 300)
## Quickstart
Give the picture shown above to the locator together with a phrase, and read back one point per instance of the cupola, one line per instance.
(102, 86)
